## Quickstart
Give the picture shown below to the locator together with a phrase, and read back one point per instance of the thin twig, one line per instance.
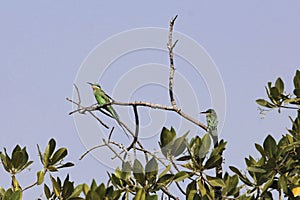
(172, 68)
(88, 151)
(30, 186)
(165, 190)
(289, 107)
(116, 153)
(89, 109)
(98, 146)
(79, 99)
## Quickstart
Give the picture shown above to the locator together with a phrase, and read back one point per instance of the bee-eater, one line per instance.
(212, 124)
(102, 98)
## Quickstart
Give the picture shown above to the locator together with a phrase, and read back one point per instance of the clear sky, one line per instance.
(43, 44)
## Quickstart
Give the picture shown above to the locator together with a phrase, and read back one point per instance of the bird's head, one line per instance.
(209, 112)
(94, 86)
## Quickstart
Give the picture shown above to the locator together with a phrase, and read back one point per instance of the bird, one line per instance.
(102, 98)
(212, 124)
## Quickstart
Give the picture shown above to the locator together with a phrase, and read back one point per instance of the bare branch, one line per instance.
(116, 153)
(98, 146)
(79, 99)
(165, 190)
(137, 126)
(30, 186)
(88, 151)
(172, 68)
(89, 109)
(161, 107)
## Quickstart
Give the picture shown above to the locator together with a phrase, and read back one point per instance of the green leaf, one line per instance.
(52, 145)
(6, 161)
(13, 195)
(180, 176)
(152, 197)
(184, 158)
(52, 168)
(76, 192)
(192, 195)
(68, 164)
(231, 185)
(205, 145)
(93, 185)
(40, 177)
(203, 187)
(219, 149)
(270, 147)
(126, 167)
(265, 103)
(261, 150)
(282, 183)
(58, 155)
(138, 172)
(92, 195)
(215, 182)
(165, 179)
(49, 151)
(56, 186)
(101, 190)
(192, 186)
(165, 171)
(167, 136)
(19, 159)
(126, 170)
(85, 189)
(241, 176)
(47, 191)
(179, 145)
(140, 194)
(68, 188)
(213, 161)
(268, 184)
(279, 85)
(297, 79)
(116, 180)
(297, 93)
(256, 169)
(151, 170)
(274, 93)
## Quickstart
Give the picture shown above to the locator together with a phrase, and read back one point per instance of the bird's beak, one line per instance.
(89, 83)
(204, 112)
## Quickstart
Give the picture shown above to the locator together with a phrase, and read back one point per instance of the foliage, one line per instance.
(190, 162)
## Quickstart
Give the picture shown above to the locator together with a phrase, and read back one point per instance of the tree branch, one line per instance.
(172, 68)
(137, 126)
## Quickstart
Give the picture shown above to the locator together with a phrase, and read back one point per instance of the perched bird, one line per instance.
(102, 98)
(212, 124)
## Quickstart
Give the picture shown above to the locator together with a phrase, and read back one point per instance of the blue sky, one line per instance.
(44, 43)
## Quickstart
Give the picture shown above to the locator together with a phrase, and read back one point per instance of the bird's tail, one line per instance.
(215, 140)
(117, 118)
(214, 135)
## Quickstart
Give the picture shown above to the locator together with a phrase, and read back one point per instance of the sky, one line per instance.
(45, 44)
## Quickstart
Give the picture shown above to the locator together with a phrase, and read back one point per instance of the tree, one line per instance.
(188, 162)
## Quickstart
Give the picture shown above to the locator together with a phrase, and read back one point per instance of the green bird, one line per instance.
(212, 124)
(102, 98)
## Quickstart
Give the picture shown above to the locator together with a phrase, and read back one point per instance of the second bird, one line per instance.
(212, 124)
